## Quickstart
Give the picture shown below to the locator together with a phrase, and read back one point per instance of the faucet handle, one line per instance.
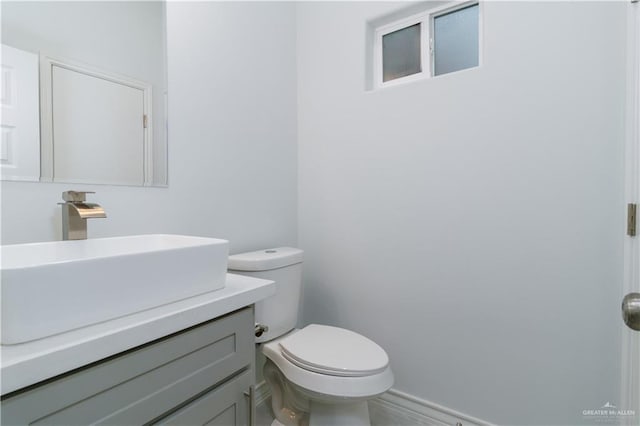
(76, 196)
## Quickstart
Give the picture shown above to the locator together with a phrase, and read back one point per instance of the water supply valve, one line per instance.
(261, 329)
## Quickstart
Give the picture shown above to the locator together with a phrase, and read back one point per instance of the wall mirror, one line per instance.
(84, 92)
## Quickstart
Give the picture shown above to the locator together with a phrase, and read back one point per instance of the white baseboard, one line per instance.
(261, 392)
(401, 409)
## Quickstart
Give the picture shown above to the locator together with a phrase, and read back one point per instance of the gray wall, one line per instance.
(472, 224)
(232, 139)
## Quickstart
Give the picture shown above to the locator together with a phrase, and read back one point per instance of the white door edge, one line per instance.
(630, 367)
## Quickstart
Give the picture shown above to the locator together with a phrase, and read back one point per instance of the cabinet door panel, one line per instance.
(226, 405)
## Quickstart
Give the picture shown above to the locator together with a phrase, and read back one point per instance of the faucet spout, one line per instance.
(88, 210)
(75, 212)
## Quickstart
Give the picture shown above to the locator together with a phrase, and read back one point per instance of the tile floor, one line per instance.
(379, 417)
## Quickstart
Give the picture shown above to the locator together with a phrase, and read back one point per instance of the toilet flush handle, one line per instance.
(261, 329)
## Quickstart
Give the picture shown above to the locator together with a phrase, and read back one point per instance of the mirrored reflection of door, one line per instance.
(98, 131)
(20, 143)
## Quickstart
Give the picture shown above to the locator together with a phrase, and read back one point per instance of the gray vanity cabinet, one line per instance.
(223, 406)
(201, 375)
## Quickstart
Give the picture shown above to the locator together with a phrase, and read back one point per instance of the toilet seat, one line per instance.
(326, 387)
(334, 351)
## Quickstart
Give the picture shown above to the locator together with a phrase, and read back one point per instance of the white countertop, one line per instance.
(28, 363)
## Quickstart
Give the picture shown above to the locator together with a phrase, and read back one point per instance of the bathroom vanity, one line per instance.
(188, 362)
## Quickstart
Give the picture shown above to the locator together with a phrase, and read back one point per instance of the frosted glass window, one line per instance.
(401, 53)
(455, 36)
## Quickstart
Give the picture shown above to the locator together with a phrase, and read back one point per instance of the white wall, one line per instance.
(232, 139)
(472, 224)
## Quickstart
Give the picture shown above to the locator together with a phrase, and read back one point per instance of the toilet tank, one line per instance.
(284, 266)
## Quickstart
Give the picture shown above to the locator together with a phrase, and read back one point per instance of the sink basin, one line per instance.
(53, 287)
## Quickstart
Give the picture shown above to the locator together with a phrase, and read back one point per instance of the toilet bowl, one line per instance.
(319, 374)
(325, 375)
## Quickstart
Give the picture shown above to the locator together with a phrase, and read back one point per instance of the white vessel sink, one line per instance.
(49, 288)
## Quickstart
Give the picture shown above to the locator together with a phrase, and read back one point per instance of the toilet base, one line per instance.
(352, 414)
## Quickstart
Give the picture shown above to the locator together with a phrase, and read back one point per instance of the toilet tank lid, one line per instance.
(265, 260)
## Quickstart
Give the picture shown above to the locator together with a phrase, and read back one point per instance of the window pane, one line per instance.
(455, 37)
(401, 53)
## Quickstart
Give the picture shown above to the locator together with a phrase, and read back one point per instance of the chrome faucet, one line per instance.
(75, 213)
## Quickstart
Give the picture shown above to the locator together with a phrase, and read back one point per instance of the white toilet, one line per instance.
(318, 375)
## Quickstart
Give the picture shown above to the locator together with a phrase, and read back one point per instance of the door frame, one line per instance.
(47, 62)
(630, 367)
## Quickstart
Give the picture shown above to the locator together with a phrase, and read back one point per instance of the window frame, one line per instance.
(427, 63)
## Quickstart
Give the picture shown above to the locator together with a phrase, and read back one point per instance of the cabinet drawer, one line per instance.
(226, 405)
(141, 384)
